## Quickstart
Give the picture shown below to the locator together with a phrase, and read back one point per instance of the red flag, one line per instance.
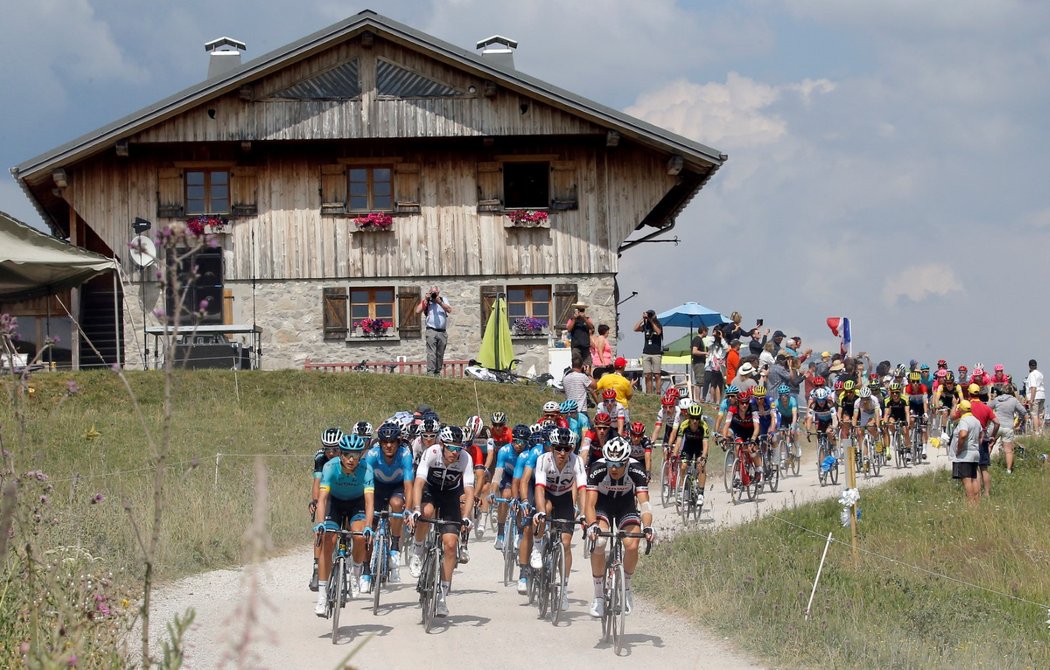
(833, 324)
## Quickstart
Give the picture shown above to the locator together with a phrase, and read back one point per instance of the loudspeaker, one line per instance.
(206, 356)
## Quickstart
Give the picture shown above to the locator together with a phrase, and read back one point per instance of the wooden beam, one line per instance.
(74, 294)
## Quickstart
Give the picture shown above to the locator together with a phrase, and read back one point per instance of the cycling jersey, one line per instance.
(693, 440)
(397, 471)
(346, 485)
(613, 409)
(579, 424)
(501, 436)
(897, 408)
(632, 482)
(822, 412)
(741, 417)
(847, 401)
(479, 449)
(786, 410)
(916, 394)
(319, 460)
(440, 476)
(559, 420)
(559, 481)
(527, 459)
(638, 451)
(506, 460)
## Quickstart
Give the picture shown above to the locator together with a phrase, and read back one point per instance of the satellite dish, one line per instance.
(142, 251)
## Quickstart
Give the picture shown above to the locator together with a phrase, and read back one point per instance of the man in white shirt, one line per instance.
(1036, 396)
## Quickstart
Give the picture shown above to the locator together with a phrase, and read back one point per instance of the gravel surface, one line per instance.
(271, 624)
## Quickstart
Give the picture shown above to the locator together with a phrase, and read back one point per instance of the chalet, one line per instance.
(350, 170)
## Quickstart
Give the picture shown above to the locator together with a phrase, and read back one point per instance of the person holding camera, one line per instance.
(714, 368)
(436, 312)
(652, 349)
(580, 328)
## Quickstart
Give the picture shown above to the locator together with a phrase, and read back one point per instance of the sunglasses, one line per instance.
(454, 448)
(498, 425)
(430, 436)
(354, 454)
(562, 447)
(616, 464)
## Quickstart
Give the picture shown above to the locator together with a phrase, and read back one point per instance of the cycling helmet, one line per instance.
(548, 424)
(783, 389)
(942, 363)
(537, 428)
(902, 370)
(573, 439)
(608, 394)
(389, 431)
(839, 385)
(637, 428)
(999, 367)
(941, 373)
(865, 393)
(431, 415)
(352, 442)
(874, 376)
(672, 392)
(914, 377)
(744, 395)
(363, 428)
(452, 435)
(962, 368)
(819, 381)
(849, 385)
(732, 390)
(616, 450)
(925, 367)
(669, 401)
(429, 426)
(759, 391)
(568, 407)
(561, 436)
(330, 437)
(538, 439)
(685, 403)
(978, 368)
(520, 432)
(895, 387)
(602, 419)
(499, 417)
(474, 424)
(820, 394)
(696, 410)
(550, 407)
(950, 377)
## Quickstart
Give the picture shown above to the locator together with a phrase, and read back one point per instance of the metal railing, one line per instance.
(449, 369)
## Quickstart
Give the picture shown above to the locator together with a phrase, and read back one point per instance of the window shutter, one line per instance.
(244, 196)
(171, 197)
(489, 293)
(490, 187)
(564, 194)
(565, 296)
(408, 322)
(406, 188)
(333, 189)
(335, 309)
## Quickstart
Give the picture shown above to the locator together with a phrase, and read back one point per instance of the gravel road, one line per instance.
(272, 624)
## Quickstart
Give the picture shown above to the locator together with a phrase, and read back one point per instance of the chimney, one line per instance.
(225, 55)
(498, 50)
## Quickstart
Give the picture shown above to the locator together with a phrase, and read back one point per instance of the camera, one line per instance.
(433, 296)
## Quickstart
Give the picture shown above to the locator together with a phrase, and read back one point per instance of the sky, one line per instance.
(884, 158)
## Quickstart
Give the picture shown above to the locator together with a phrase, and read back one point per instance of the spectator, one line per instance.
(578, 385)
(986, 417)
(756, 346)
(780, 373)
(698, 360)
(823, 366)
(580, 330)
(617, 382)
(601, 350)
(778, 339)
(436, 322)
(745, 377)
(1036, 396)
(767, 356)
(835, 371)
(1006, 406)
(965, 451)
(732, 359)
(714, 380)
(733, 331)
(652, 350)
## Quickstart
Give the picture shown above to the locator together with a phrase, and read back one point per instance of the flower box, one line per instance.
(529, 327)
(527, 218)
(208, 224)
(373, 328)
(374, 222)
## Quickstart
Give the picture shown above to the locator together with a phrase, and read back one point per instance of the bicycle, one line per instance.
(477, 518)
(690, 503)
(770, 465)
(730, 464)
(430, 575)
(746, 476)
(510, 537)
(614, 591)
(790, 449)
(898, 445)
(338, 589)
(668, 476)
(916, 441)
(827, 459)
(873, 457)
(380, 563)
(552, 579)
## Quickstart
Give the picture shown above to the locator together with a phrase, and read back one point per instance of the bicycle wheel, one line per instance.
(796, 457)
(728, 472)
(822, 471)
(754, 482)
(833, 472)
(336, 584)
(434, 583)
(607, 599)
(681, 502)
(665, 483)
(557, 582)
(772, 473)
(542, 577)
(531, 574)
(619, 609)
(509, 554)
(696, 505)
(380, 559)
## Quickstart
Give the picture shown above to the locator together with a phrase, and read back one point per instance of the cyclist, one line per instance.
(506, 460)
(613, 487)
(693, 446)
(524, 486)
(741, 420)
(641, 447)
(847, 405)
(391, 464)
(896, 411)
(578, 421)
(822, 417)
(552, 413)
(666, 418)
(595, 438)
(946, 396)
(445, 474)
(927, 379)
(427, 437)
(345, 499)
(364, 429)
(869, 410)
(482, 450)
(918, 406)
(731, 392)
(787, 415)
(762, 407)
(329, 449)
(611, 406)
(559, 479)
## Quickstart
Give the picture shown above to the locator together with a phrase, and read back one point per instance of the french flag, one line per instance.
(840, 327)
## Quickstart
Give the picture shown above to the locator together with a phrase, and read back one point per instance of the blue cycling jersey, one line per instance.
(527, 459)
(346, 485)
(786, 409)
(580, 424)
(400, 470)
(506, 459)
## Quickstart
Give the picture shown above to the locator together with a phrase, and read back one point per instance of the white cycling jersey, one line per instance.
(442, 476)
(557, 481)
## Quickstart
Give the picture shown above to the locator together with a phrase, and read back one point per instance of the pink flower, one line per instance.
(97, 499)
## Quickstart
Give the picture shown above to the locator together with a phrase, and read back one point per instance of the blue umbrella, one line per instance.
(691, 315)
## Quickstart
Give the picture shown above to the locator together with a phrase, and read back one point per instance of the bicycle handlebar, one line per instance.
(625, 534)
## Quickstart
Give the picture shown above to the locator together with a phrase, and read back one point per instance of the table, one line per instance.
(214, 330)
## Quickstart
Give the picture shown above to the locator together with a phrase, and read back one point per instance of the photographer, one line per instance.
(714, 381)
(436, 322)
(652, 350)
(580, 329)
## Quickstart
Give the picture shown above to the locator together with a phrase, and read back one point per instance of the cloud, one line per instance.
(919, 282)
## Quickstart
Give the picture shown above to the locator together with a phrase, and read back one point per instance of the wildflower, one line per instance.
(72, 388)
(73, 661)
(115, 367)
(98, 497)
(158, 312)
(203, 307)
(43, 500)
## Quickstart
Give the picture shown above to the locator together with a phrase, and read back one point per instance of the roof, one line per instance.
(98, 140)
(32, 263)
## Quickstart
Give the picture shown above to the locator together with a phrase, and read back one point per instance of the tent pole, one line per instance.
(116, 320)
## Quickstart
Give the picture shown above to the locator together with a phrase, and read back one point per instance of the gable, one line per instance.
(342, 82)
(400, 82)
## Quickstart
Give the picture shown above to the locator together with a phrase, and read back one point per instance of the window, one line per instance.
(371, 189)
(200, 283)
(526, 185)
(207, 192)
(529, 302)
(371, 303)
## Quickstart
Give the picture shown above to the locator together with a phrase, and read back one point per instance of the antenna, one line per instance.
(142, 251)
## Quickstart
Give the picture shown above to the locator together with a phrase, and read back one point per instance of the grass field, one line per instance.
(752, 582)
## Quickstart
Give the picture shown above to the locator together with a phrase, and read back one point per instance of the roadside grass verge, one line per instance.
(752, 582)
